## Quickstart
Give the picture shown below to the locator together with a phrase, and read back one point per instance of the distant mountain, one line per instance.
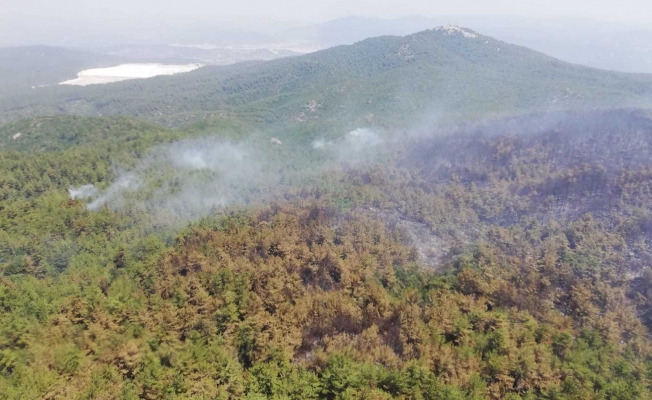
(195, 53)
(34, 66)
(594, 44)
(27, 68)
(349, 30)
(448, 70)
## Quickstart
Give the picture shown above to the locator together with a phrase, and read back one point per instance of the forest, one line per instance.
(506, 259)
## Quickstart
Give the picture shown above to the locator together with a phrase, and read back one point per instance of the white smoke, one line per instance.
(191, 178)
(185, 179)
(362, 139)
(320, 144)
(83, 192)
(359, 145)
(206, 154)
(115, 193)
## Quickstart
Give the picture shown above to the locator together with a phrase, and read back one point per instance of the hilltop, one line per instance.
(378, 81)
(604, 45)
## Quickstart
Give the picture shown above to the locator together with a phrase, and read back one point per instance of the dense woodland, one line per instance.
(507, 259)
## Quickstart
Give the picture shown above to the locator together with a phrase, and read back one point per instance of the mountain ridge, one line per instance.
(438, 69)
(596, 44)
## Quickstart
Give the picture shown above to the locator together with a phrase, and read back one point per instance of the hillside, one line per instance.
(507, 259)
(452, 71)
(56, 133)
(440, 216)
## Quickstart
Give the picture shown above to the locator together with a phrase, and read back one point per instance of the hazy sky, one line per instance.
(632, 11)
(43, 17)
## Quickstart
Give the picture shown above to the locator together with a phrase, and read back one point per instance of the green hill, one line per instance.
(446, 70)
